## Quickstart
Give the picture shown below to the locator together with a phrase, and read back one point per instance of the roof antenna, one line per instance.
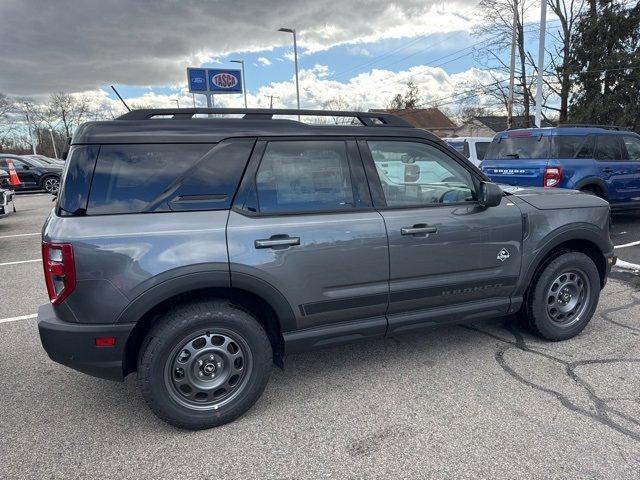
(116, 92)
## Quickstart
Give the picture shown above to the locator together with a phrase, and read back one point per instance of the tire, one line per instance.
(568, 284)
(193, 353)
(51, 184)
(592, 190)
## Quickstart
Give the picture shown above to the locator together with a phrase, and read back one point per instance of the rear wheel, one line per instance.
(51, 184)
(592, 190)
(562, 297)
(204, 364)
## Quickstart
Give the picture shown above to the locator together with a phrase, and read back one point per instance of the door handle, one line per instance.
(419, 228)
(277, 241)
(607, 170)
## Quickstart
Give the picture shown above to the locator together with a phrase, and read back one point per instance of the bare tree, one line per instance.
(410, 98)
(70, 109)
(499, 29)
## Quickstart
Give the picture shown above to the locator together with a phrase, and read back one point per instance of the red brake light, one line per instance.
(552, 176)
(59, 270)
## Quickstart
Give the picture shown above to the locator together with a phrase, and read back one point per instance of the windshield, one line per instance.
(519, 147)
(33, 162)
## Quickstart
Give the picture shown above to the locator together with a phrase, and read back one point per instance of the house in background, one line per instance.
(489, 125)
(430, 119)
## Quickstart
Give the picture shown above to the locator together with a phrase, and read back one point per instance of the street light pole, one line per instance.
(177, 102)
(543, 29)
(244, 85)
(295, 60)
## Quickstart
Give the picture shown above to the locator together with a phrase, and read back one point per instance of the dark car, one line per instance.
(601, 161)
(198, 251)
(33, 173)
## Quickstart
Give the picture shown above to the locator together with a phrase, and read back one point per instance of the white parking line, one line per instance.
(21, 261)
(20, 235)
(15, 319)
(624, 245)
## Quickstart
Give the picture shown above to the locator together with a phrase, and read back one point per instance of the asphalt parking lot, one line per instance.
(482, 400)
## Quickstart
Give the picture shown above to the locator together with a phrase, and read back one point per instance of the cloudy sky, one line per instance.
(359, 51)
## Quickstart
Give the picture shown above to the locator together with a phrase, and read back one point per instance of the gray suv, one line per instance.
(198, 250)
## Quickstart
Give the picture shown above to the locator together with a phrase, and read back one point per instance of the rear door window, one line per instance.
(304, 176)
(574, 146)
(608, 148)
(632, 145)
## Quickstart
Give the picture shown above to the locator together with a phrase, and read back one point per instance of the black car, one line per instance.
(33, 174)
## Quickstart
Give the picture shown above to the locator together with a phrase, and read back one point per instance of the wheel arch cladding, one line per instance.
(563, 243)
(269, 313)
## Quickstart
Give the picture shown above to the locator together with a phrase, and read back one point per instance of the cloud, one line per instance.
(76, 46)
(264, 61)
(359, 51)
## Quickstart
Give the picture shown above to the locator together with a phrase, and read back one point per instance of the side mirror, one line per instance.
(26, 167)
(490, 194)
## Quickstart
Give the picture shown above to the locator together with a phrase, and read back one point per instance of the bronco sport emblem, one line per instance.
(503, 255)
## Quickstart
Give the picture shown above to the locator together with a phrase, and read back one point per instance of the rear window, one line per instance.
(519, 147)
(152, 178)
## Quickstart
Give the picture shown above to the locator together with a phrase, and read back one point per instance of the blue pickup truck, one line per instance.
(603, 161)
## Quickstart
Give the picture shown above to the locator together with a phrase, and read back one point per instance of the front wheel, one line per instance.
(204, 364)
(562, 297)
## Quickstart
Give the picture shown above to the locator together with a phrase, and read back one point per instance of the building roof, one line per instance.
(427, 118)
(498, 123)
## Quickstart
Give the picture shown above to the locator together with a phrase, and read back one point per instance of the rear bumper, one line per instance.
(73, 344)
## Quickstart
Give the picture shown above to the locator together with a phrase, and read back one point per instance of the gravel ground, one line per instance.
(475, 401)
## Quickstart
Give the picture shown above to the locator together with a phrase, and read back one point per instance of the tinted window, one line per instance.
(212, 182)
(481, 149)
(519, 147)
(414, 174)
(574, 146)
(128, 178)
(302, 176)
(633, 147)
(608, 148)
(76, 180)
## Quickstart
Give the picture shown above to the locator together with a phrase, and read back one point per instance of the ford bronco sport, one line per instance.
(197, 252)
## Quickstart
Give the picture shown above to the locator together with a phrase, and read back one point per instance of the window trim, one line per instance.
(377, 194)
(356, 173)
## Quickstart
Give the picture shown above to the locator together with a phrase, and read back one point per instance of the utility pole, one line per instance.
(512, 70)
(271, 97)
(53, 142)
(193, 95)
(543, 31)
(33, 143)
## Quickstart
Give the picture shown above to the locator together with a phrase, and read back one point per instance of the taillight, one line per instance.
(59, 270)
(552, 177)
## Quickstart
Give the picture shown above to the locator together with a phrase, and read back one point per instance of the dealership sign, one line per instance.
(214, 80)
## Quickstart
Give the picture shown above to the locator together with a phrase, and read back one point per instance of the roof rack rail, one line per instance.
(369, 119)
(587, 125)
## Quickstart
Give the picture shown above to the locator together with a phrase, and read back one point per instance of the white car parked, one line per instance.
(474, 148)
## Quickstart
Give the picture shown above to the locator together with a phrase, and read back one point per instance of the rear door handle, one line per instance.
(607, 170)
(417, 229)
(277, 241)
